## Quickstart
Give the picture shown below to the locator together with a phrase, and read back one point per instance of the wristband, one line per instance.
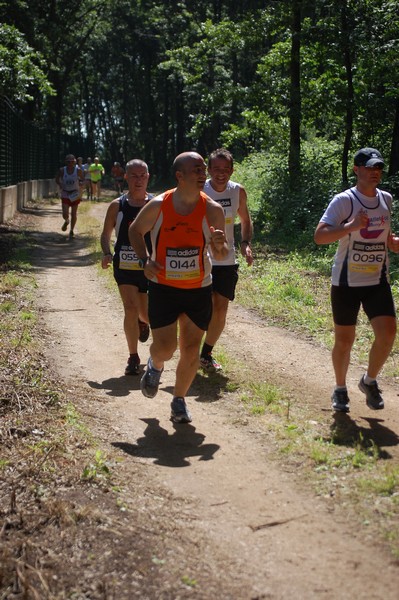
(108, 254)
(245, 242)
(143, 261)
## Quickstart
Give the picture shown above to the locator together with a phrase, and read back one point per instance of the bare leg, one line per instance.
(384, 331)
(164, 344)
(344, 338)
(74, 215)
(131, 302)
(218, 321)
(65, 216)
(189, 344)
(143, 307)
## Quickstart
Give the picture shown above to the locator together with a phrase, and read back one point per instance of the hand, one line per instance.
(106, 261)
(393, 243)
(152, 268)
(247, 254)
(360, 221)
(218, 238)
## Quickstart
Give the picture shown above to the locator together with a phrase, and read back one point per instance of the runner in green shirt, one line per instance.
(96, 171)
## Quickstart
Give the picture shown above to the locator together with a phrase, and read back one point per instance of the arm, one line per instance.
(393, 243)
(58, 177)
(246, 227)
(108, 227)
(143, 223)
(326, 234)
(215, 216)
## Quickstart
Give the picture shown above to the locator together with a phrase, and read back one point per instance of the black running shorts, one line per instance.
(128, 277)
(166, 303)
(224, 280)
(376, 300)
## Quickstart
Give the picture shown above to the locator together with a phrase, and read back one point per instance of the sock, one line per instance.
(368, 380)
(341, 388)
(206, 349)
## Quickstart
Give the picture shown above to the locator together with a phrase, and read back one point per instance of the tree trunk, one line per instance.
(350, 93)
(394, 156)
(294, 160)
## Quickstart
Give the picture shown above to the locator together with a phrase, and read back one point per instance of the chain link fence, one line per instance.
(28, 152)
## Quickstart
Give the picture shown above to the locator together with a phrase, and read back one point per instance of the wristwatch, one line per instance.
(143, 262)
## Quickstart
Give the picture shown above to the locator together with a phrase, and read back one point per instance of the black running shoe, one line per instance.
(180, 412)
(150, 381)
(340, 401)
(374, 400)
(133, 365)
(144, 331)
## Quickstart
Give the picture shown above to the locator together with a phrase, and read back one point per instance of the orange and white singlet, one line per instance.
(180, 245)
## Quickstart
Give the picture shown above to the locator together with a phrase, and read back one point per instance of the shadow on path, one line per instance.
(117, 386)
(54, 249)
(346, 432)
(170, 450)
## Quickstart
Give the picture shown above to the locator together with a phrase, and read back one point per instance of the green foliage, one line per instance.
(140, 83)
(289, 290)
(189, 581)
(281, 218)
(258, 397)
(96, 470)
(21, 68)
(386, 484)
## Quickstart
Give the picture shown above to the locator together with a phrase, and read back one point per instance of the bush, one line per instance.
(279, 217)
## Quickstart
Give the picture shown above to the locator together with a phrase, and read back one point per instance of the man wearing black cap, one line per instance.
(360, 220)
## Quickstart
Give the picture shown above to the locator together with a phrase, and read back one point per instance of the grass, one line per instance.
(293, 291)
(338, 461)
(259, 397)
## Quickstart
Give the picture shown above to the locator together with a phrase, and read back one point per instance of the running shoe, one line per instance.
(144, 331)
(374, 400)
(179, 411)
(209, 364)
(340, 401)
(133, 365)
(150, 381)
(65, 225)
(71, 234)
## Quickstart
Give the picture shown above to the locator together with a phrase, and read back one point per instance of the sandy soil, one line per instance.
(246, 525)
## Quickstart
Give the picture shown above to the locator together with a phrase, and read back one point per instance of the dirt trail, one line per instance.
(280, 540)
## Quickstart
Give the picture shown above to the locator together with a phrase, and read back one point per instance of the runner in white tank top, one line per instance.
(67, 179)
(360, 220)
(233, 199)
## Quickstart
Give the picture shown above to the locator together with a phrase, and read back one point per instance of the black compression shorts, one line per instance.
(376, 300)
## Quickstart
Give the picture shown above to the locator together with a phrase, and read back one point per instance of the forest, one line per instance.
(291, 88)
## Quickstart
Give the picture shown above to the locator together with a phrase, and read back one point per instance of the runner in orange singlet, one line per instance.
(183, 223)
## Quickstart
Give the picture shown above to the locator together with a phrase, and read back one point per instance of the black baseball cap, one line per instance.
(368, 157)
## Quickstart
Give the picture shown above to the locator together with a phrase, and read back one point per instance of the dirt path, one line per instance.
(274, 538)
